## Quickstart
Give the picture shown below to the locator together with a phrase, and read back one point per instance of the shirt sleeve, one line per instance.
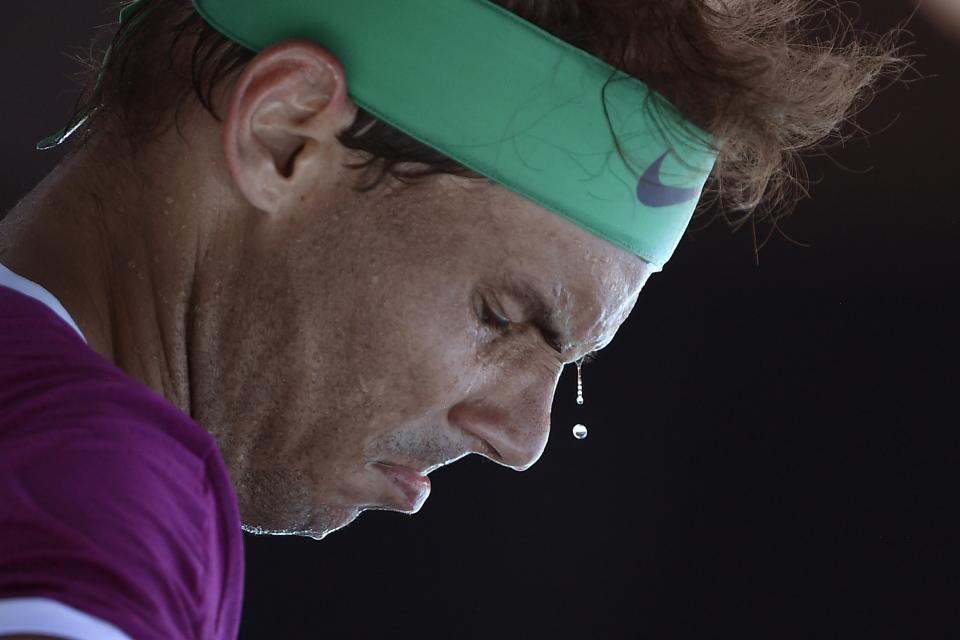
(113, 527)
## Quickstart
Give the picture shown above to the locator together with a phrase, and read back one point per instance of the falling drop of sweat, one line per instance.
(579, 432)
(579, 383)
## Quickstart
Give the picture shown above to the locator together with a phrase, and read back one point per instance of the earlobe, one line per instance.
(283, 116)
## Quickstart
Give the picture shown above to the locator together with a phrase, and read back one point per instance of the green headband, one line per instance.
(508, 100)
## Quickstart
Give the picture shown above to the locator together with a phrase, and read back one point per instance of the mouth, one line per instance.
(411, 486)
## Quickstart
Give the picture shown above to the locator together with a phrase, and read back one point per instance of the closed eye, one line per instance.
(493, 319)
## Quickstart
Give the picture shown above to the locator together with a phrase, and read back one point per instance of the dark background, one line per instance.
(772, 448)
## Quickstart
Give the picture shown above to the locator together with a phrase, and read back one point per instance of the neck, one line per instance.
(111, 248)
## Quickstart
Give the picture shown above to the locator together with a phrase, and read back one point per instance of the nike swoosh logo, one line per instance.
(653, 193)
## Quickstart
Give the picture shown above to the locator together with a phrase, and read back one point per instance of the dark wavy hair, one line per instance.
(767, 78)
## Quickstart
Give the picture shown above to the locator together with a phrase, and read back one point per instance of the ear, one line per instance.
(284, 113)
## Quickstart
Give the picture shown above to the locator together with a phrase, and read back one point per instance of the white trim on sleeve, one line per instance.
(44, 616)
(30, 288)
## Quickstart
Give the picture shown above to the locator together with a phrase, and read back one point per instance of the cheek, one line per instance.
(420, 350)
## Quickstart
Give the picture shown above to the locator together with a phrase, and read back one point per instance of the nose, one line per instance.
(513, 417)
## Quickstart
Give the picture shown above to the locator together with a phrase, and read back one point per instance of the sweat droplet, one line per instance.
(579, 383)
(579, 432)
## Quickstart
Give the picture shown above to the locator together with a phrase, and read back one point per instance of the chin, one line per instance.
(317, 525)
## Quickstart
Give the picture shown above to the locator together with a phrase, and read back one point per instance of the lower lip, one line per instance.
(414, 487)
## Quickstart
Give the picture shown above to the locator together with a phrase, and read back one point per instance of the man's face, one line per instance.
(372, 351)
(345, 344)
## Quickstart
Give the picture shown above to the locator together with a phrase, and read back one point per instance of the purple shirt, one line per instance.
(115, 507)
